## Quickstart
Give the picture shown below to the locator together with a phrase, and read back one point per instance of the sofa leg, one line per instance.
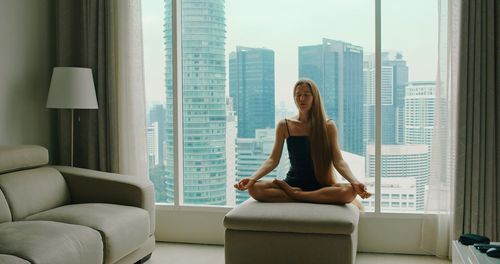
(144, 259)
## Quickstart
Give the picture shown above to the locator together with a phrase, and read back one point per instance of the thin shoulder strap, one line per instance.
(286, 123)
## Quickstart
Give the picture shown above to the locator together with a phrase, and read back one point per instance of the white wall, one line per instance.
(26, 34)
(381, 233)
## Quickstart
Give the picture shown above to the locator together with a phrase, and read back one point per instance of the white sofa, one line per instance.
(60, 215)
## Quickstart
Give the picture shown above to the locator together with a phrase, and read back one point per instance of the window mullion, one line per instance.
(378, 106)
(177, 101)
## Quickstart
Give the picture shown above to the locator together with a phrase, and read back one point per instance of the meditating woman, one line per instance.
(313, 148)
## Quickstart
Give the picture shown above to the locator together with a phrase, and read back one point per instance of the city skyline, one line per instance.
(232, 92)
(415, 20)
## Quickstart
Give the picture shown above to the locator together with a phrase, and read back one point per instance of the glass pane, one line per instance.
(158, 81)
(204, 102)
(409, 68)
(238, 76)
(266, 56)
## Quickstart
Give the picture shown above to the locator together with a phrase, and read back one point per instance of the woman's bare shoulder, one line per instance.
(330, 125)
(281, 124)
(288, 120)
(293, 119)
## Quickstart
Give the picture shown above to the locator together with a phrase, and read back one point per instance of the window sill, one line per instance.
(393, 232)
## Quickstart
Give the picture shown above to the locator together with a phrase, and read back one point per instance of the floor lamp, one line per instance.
(72, 88)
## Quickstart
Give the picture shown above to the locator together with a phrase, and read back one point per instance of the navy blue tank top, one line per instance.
(301, 173)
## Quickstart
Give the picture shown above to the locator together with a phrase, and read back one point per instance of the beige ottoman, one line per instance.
(291, 233)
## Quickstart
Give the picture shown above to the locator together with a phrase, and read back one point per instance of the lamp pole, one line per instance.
(72, 130)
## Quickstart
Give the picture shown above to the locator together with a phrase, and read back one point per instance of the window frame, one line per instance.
(178, 116)
(179, 222)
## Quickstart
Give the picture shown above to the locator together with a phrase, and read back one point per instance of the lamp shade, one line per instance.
(72, 88)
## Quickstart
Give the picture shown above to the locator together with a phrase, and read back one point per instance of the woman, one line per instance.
(313, 149)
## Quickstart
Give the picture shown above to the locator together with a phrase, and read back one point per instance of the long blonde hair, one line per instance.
(320, 141)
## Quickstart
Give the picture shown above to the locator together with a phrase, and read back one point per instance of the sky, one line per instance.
(408, 26)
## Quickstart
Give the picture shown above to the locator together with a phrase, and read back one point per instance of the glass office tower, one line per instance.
(394, 79)
(251, 85)
(419, 124)
(204, 106)
(401, 165)
(337, 68)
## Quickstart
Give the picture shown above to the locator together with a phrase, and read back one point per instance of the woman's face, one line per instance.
(303, 98)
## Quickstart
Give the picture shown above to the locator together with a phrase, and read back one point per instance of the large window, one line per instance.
(220, 75)
(409, 35)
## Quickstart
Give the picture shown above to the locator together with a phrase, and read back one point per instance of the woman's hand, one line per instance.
(360, 189)
(244, 184)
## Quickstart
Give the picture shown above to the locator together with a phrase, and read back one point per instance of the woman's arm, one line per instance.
(341, 166)
(270, 163)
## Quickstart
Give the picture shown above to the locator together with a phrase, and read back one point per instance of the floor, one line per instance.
(175, 253)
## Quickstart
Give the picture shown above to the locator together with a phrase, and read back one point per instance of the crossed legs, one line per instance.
(280, 191)
(335, 194)
(267, 191)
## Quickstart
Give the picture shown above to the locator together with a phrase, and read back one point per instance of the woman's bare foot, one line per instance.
(290, 191)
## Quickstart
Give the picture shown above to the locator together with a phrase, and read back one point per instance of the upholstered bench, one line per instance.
(259, 232)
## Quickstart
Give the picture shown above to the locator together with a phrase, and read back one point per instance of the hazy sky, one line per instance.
(408, 26)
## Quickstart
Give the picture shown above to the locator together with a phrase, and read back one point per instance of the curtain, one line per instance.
(106, 36)
(436, 224)
(130, 80)
(477, 185)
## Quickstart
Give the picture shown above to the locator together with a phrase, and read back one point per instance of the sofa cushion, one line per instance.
(123, 228)
(22, 157)
(293, 217)
(5, 215)
(33, 190)
(9, 259)
(42, 242)
(90, 186)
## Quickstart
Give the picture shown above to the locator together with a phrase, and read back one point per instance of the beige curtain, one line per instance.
(477, 183)
(106, 36)
(436, 224)
(129, 63)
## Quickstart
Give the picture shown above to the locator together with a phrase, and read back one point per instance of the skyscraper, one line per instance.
(157, 114)
(204, 107)
(419, 112)
(337, 68)
(419, 124)
(153, 148)
(388, 108)
(399, 82)
(156, 149)
(252, 152)
(231, 130)
(400, 164)
(394, 78)
(251, 85)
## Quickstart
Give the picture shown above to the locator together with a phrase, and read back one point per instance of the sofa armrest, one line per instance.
(91, 186)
